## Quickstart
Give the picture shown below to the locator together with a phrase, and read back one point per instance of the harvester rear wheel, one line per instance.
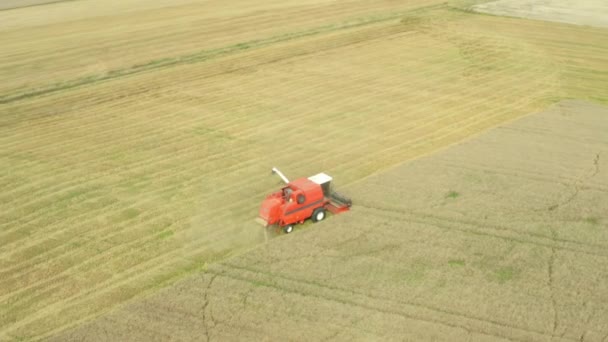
(288, 228)
(318, 215)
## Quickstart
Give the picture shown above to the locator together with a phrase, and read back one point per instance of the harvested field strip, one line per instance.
(246, 61)
(197, 57)
(156, 45)
(144, 275)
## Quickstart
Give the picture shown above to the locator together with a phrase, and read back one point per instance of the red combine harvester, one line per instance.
(301, 199)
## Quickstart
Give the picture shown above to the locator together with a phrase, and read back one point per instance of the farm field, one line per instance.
(466, 244)
(136, 139)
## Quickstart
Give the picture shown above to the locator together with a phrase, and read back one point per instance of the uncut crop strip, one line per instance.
(527, 174)
(498, 231)
(410, 309)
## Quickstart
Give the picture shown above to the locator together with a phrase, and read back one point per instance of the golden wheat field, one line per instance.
(137, 139)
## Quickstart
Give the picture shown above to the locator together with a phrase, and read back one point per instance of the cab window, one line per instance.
(287, 194)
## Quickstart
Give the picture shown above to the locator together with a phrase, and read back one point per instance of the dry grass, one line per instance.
(120, 179)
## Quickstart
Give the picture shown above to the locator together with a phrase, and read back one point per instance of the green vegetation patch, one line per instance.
(456, 262)
(165, 234)
(504, 274)
(592, 220)
(129, 213)
(452, 194)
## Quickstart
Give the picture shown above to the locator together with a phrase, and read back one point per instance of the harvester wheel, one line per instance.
(318, 215)
(288, 228)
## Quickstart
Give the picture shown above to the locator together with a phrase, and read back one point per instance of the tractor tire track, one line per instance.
(352, 297)
(576, 185)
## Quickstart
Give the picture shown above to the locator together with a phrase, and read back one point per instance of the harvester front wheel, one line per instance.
(288, 228)
(318, 215)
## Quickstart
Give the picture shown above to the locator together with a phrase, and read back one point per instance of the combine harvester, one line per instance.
(299, 200)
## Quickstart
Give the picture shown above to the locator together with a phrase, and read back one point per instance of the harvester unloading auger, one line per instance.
(301, 199)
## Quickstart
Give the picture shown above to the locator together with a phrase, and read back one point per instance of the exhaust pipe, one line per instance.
(278, 172)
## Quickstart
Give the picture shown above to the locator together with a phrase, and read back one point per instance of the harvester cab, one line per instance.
(301, 199)
(287, 192)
